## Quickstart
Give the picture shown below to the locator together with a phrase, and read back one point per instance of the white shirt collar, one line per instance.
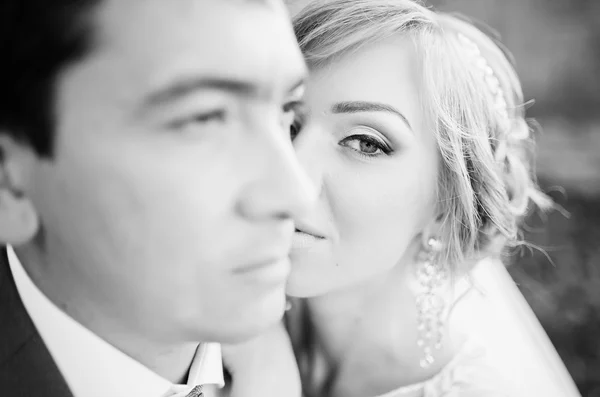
(91, 366)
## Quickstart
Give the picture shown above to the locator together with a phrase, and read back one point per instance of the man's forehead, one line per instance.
(114, 15)
(174, 40)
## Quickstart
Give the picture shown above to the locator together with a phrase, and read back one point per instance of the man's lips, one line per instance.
(268, 272)
(259, 264)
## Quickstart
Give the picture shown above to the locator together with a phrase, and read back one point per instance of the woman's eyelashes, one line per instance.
(366, 145)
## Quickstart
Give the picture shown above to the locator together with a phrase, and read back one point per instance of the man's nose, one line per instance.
(283, 190)
(310, 147)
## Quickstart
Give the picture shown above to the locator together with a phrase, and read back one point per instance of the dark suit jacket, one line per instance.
(26, 366)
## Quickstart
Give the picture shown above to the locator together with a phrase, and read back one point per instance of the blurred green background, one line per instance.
(556, 44)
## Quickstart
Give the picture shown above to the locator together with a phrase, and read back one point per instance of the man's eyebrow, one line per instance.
(183, 87)
(365, 106)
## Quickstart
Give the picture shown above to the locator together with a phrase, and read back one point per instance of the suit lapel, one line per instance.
(26, 366)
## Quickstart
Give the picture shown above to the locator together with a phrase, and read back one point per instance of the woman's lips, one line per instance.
(303, 240)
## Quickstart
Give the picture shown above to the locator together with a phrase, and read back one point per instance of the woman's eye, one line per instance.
(366, 145)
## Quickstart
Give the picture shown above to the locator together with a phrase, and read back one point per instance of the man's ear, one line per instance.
(19, 221)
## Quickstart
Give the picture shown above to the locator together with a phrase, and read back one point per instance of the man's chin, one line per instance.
(252, 320)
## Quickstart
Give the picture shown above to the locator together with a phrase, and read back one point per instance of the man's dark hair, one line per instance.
(38, 39)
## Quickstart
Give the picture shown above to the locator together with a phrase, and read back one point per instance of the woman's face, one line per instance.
(376, 161)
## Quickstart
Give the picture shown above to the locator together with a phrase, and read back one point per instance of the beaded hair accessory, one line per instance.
(482, 67)
(486, 71)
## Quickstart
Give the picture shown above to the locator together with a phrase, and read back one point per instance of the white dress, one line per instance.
(507, 354)
(469, 374)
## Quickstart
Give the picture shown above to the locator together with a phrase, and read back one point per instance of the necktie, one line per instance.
(207, 390)
(196, 392)
(183, 391)
(205, 374)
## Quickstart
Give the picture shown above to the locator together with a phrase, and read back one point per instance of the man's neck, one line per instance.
(171, 361)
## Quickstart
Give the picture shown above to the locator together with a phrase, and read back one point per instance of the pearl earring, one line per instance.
(430, 305)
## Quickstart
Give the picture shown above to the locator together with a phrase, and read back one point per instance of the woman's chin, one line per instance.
(298, 289)
(301, 286)
(313, 273)
(310, 279)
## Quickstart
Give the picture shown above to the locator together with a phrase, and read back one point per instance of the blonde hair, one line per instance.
(486, 181)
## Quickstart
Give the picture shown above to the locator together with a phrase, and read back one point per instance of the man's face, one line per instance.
(169, 201)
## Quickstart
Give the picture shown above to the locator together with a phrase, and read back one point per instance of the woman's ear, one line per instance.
(433, 230)
(19, 222)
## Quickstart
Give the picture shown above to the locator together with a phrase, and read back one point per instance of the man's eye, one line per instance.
(296, 126)
(216, 116)
(295, 118)
(213, 116)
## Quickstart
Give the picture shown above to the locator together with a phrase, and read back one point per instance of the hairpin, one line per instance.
(487, 73)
